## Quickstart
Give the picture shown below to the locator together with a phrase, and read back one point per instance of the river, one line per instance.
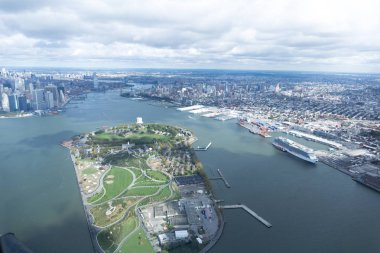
(313, 208)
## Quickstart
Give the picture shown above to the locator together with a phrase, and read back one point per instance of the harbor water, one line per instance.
(313, 208)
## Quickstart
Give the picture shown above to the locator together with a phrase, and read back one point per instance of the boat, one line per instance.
(295, 149)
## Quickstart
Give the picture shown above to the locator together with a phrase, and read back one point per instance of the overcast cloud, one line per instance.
(335, 35)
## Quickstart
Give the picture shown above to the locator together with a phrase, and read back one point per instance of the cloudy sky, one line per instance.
(321, 35)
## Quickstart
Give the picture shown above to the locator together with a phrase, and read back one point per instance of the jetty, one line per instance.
(198, 148)
(221, 177)
(248, 210)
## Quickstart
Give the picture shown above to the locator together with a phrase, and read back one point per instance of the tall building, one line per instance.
(39, 99)
(278, 88)
(23, 104)
(49, 99)
(4, 72)
(61, 94)
(5, 102)
(13, 103)
(96, 82)
(19, 84)
(54, 90)
(31, 88)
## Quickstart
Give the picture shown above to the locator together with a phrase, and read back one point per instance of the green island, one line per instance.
(144, 190)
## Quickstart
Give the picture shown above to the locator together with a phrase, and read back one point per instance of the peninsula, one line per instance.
(144, 190)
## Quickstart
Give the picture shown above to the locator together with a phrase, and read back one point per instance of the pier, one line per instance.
(262, 220)
(221, 177)
(203, 148)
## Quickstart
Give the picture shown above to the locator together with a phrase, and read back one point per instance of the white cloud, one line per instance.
(254, 34)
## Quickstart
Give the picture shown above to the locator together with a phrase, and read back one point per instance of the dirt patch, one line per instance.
(109, 182)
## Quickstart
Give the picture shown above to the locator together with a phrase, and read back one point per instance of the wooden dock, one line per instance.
(221, 177)
(259, 218)
(203, 148)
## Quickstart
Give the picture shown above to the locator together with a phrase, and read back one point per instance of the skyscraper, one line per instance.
(49, 99)
(5, 102)
(13, 103)
(19, 84)
(96, 82)
(23, 103)
(39, 99)
(54, 90)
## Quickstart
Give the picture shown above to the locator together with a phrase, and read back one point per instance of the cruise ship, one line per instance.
(295, 149)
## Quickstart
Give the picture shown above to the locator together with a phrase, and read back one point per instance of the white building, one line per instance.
(49, 99)
(181, 234)
(139, 121)
(5, 102)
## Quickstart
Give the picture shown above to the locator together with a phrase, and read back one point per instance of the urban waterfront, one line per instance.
(313, 208)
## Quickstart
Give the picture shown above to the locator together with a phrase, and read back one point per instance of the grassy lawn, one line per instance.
(95, 197)
(144, 138)
(163, 195)
(99, 212)
(137, 243)
(108, 137)
(142, 181)
(157, 175)
(110, 238)
(141, 191)
(136, 171)
(121, 180)
(89, 171)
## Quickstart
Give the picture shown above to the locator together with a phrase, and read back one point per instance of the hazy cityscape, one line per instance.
(189, 126)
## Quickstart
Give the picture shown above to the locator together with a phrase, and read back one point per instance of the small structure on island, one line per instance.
(181, 234)
(139, 121)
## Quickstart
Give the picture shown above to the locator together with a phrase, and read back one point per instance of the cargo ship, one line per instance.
(295, 149)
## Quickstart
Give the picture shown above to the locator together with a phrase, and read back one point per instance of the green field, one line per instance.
(89, 171)
(138, 139)
(95, 197)
(121, 180)
(99, 212)
(110, 238)
(162, 196)
(137, 243)
(157, 175)
(141, 191)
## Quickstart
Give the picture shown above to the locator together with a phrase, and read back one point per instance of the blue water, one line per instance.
(313, 208)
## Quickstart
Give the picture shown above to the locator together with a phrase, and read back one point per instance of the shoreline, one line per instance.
(91, 229)
(17, 116)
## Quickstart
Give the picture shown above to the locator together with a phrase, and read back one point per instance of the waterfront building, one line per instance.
(5, 102)
(39, 99)
(23, 104)
(13, 103)
(49, 99)
(54, 91)
(61, 94)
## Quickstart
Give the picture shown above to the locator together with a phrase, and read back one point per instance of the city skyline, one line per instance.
(341, 36)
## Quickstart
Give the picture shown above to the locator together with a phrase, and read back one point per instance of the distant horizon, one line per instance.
(94, 69)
